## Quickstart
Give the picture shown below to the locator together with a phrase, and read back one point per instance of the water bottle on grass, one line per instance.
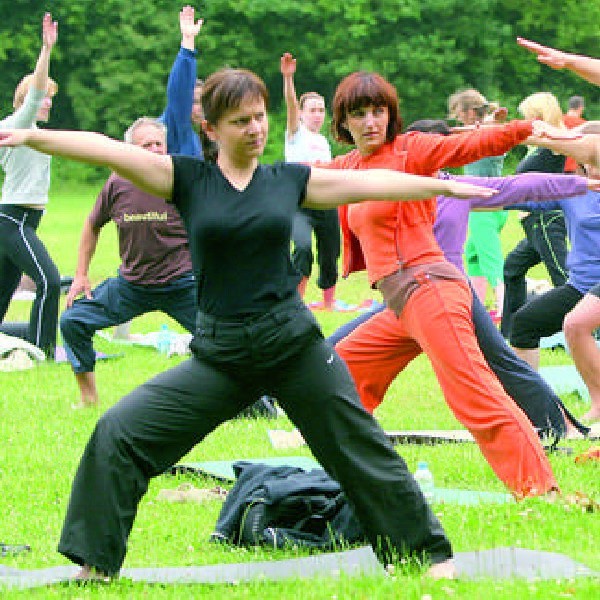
(163, 340)
(424, 477)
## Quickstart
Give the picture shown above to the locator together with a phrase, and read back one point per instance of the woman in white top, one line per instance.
(23, 200)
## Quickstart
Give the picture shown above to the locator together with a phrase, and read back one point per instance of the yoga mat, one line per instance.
(565, 379)
(554, 341)
(498, 563)
(469, 497)
(223, 469)
(281, 438)
(429, 436)
(13, 549)
(60, 356)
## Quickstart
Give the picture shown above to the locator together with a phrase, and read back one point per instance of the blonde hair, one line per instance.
(141, 122)
(543, 106)
(309, 96)
(25, 84)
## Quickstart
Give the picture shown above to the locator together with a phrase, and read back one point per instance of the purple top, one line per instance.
(452, 216)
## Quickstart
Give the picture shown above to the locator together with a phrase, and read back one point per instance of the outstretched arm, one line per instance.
(585, 150)
(49, 37)
(328, 188)
(288, 68)
(537, 187)
(150, 172)
(87, 247)
(584, 66)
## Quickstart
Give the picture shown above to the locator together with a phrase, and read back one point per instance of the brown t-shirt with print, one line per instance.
(153, 243)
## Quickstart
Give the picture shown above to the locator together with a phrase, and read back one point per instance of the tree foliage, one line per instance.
(113, 57)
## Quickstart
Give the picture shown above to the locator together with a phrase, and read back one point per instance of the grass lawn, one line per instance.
(42, 440)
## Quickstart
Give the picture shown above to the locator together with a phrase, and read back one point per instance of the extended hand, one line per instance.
(189, 27)
(14, 137)
(80, 285)
(288, 64)
(459, 189)
(541, 129)
(49, 31)
(593, 185)
(549, 56)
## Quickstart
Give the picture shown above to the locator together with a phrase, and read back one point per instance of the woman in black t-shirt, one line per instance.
(254, 334)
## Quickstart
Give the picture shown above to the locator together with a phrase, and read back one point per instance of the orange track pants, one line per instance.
(437, 320)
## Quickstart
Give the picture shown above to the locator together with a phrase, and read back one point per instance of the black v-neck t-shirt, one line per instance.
(240, 240)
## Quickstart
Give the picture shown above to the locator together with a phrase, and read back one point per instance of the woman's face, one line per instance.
(368, 127)
(467, 116)
(313, 114)
(43, 113)
(241, 133)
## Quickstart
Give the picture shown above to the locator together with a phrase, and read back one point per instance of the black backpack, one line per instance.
(286, 506)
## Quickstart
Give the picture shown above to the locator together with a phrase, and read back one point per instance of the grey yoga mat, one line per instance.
(498, 563)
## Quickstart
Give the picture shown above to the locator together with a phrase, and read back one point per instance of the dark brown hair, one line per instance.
(361, 89)
(224, 90)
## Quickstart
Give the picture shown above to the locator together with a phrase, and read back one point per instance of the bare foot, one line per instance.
(573, 433)
(442, 570)
(89, 574)
(84, 403)
(592, 415)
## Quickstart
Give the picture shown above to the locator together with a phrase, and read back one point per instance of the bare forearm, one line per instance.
(148, 171)
(331, 188)
(40, 74)
(291, 103)
(586, 67)
(585, 150)
(188, 41)
(87, 248)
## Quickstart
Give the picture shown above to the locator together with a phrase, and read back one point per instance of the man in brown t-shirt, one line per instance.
(155, 271)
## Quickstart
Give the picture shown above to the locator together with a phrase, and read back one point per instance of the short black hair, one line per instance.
(430, 126)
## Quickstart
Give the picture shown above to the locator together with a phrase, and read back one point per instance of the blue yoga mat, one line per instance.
(60, 356)
(565, 379)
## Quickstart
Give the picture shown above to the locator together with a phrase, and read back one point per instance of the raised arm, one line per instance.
(87, 248)
(584, 66)
(288, 68)
(150, 172)
(49, 37)
(328, 188)
(181, 85)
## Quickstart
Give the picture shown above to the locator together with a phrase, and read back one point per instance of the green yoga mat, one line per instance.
(223, 470)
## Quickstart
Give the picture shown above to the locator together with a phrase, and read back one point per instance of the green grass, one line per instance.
(42, 440)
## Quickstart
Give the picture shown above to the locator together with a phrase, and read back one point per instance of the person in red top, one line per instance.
(428, 299)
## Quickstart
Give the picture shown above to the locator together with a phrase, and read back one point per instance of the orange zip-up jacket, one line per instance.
(386, 236)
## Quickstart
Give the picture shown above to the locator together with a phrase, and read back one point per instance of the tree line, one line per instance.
(113, 57)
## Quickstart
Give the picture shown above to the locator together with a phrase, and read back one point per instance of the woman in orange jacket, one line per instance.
(428, 299)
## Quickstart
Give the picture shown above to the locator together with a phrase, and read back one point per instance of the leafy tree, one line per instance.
(113, 57)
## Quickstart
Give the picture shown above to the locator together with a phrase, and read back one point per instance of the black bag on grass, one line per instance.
(286, 506)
